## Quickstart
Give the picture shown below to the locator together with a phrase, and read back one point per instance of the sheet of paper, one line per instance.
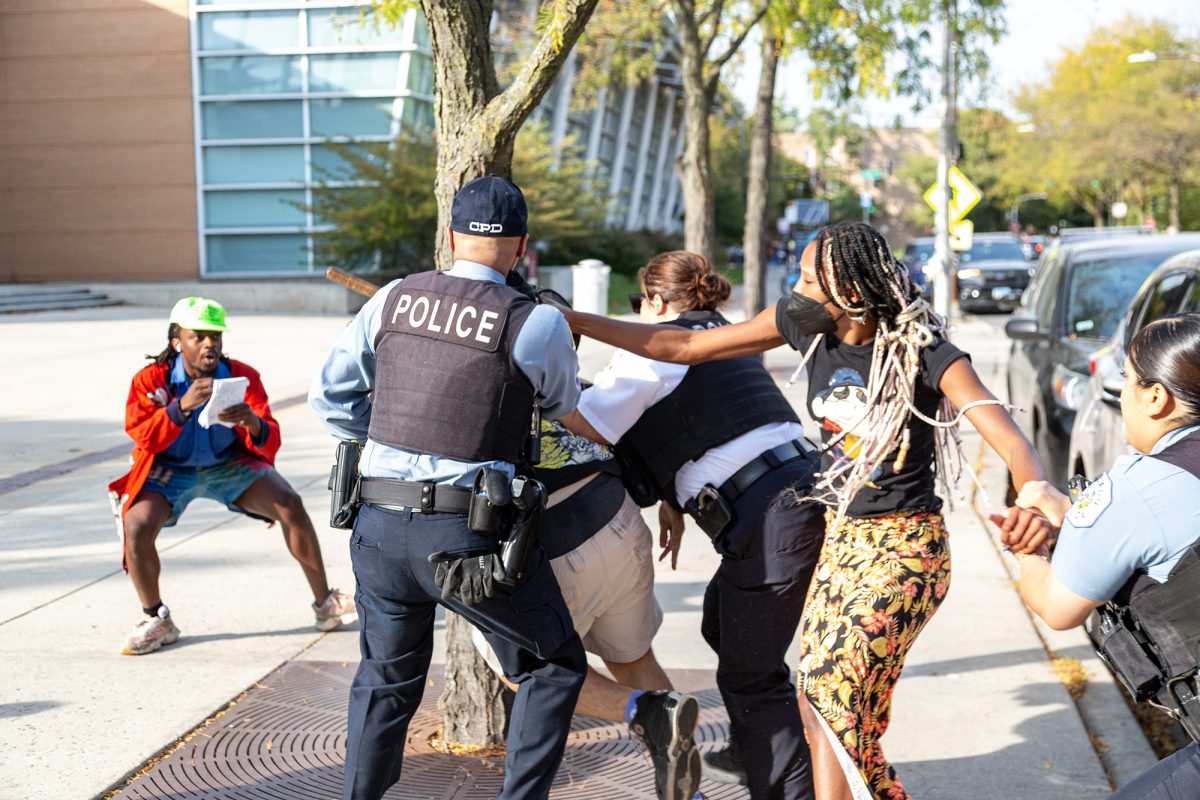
(226, 392)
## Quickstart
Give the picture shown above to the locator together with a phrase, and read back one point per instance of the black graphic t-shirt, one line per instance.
(837, 396)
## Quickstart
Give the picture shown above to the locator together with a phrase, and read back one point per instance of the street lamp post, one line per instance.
(943, 256)
(1016, 208)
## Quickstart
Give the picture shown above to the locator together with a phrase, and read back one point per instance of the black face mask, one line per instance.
(809, 316)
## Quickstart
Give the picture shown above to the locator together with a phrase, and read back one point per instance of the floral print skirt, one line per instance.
(877, 583)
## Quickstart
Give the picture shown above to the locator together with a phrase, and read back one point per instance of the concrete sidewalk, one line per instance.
(979, 713)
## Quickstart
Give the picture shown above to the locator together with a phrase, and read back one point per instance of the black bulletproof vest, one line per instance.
(1169, 612)
(445, 383)
(715, 403)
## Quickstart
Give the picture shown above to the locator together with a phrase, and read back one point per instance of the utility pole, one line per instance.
(943, 256)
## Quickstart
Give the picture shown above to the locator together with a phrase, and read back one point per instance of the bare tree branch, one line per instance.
(509, 109)
(715, 11)
(715, 65)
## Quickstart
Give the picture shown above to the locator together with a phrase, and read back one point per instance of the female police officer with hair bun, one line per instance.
(1141, 518)
(721, 440)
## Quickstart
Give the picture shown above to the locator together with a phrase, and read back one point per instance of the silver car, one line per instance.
(1098, 436)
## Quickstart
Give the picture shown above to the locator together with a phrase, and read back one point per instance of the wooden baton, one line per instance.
(351, 282)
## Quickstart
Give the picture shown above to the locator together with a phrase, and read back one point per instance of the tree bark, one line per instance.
(757, 228)
(472, 704)
(475, 126)
(695, 170)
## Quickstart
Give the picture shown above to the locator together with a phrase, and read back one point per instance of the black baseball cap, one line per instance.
(489, 206)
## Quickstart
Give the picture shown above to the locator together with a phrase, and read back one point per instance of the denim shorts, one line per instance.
(224, 483)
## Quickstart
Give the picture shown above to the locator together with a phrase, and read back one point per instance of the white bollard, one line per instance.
(590, 280)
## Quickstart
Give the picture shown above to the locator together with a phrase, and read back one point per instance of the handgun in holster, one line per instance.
(344, 486)
(509, 511)
(712, 512)
(529, 499)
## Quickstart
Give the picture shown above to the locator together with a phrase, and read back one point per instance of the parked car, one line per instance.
(1098, 435)
(1032, 246)
(916, 255)
(993, 274)
(1077, 299)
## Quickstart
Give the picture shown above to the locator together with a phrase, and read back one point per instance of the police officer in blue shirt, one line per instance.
(438, 376)
(1140, 518)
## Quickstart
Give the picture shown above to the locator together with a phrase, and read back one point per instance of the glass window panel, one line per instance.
(253, 119)
(249, 30)
(253, 209)
(254, 164)
(250, 74)
(362, 116)
(420, 74)
(353, 72)
(1100, 290)
(334, 27)
(258, 253)
(330, 165)
(417, 117)
(421, 33)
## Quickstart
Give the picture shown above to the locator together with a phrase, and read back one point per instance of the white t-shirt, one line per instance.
(630, 384)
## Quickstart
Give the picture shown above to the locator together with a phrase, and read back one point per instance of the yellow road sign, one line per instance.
(963, 195)
(962, 234)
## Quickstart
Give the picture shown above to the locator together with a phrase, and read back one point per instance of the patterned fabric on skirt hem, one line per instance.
(877, 583)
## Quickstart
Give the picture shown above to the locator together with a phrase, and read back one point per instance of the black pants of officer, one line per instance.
(530, 629)
(1176, 777)
(752, 609)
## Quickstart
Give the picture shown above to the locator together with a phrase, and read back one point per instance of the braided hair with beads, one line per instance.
(857, 271)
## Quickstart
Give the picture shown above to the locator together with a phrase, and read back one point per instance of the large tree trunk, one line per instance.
(695, 171)
(754, 243)
(475, 125)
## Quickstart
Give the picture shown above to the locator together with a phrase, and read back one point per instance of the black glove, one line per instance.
(469, 575)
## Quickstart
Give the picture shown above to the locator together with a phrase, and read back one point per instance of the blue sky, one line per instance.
(1038, 30)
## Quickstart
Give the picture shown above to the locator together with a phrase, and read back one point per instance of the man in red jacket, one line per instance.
(176, 459)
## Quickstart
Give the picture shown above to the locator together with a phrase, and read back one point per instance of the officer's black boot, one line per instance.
(725, 765)
(666, 723)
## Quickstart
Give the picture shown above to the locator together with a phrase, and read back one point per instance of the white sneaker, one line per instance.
(329, 614)
(151, 634)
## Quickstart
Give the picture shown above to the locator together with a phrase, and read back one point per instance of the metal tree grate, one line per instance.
(287, 739)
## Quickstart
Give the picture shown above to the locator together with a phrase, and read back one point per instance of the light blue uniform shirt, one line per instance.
(341, 391)
(1140, 515)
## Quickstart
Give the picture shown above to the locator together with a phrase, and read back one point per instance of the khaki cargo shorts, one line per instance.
(608, 585)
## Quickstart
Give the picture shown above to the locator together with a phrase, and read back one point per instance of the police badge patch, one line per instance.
(1091, 503)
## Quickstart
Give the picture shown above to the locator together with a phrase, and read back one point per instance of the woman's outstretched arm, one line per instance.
(1023, 531)
(680, 345)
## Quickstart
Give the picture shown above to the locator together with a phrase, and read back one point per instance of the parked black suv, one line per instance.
(993, 274)
(1076, 300)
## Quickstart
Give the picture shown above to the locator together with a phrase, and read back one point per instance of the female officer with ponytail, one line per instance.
(1142, 517)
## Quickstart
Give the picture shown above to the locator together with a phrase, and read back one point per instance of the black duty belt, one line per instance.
(741, 480)
(423, 496)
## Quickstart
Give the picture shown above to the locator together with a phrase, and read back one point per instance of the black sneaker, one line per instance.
(666, 723)
(725, 766)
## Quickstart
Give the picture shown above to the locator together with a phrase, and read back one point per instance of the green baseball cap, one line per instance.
(199, 314)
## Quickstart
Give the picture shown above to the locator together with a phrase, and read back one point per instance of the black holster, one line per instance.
(529, 500)
(344, 486)
(712, 512)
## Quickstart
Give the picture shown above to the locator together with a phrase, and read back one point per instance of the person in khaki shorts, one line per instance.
(600, 550)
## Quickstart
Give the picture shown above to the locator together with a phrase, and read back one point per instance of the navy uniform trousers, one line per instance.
(752, 609)
(1176, 777)
(529, 628)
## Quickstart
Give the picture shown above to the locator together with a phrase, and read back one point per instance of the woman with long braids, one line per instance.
(884, 384)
